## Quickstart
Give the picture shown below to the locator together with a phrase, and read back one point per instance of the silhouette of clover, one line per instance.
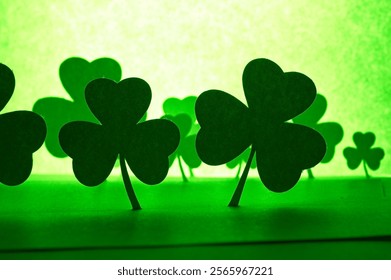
(75, 73)
(332, 132)
(238, 161)
(23, 133)
(283, 149)
(369, 156)
(144, 146)
(182, 113)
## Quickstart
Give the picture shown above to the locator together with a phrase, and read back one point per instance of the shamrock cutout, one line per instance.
(182, 113)
(23, 133)
(144, 146)
(238, 161)
(332, 132)
(228, 127)
(75, 74)
(369, 156)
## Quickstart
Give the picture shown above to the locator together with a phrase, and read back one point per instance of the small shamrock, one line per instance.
(238, 161)
(332, 132)
(75, 74)
(283, 150)
(369, 156)
(23, 134)
(144, 146)
(182, 113)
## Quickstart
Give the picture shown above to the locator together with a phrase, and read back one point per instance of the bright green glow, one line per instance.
(184, 48)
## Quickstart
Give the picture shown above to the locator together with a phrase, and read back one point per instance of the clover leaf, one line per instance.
(283, 150)
(23, 134)
(332, 132)
(75, 73)
(238, 161)
(182, 113)
(369, 156)
(145, 146)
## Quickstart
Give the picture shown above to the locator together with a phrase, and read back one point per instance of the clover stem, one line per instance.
(128, 185)
(191, 172)
(182, 171)
(239, 189)
(240, 168)
(366, 170)
(310, 174)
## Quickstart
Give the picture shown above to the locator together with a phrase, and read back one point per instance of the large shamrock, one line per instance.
(182, 113)
(283, 149)
(369, 156)
(238, 161)
(145, 146)
(23, 134)
(75, 74)
(332, 132)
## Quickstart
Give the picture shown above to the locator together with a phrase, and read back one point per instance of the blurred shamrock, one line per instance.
(283, 149)
(182, 113)
(23, 134)
(144, 146)
(369, 156)
(332, 132)
(238, 161)
(75, 74)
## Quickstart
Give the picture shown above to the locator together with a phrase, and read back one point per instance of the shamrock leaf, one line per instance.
(75, 74)
(238, 161)
(145, 146)
(23, 133)
(369, 156)
(174, 106)
(332, 132)
(283, 150)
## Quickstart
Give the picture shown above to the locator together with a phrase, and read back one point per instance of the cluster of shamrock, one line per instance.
(106, 122)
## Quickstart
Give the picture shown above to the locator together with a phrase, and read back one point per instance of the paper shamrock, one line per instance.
(238, 161)
(182, 113)
(144, 146)
(369, 156)
(283, 150)
(332, 132)
(75, 73)
(23, 133)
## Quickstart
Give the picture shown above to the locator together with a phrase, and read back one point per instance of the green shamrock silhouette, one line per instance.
(75, 73)
(182, 113)
(283, 149)
(332, 132)
(238, 161)
(144, 146)
(23, 133)
(369, 156)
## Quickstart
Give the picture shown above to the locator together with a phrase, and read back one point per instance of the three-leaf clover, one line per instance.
(332, 132)
(23, 133)
(239, 160)
(182, 113)
(144, 146)
(283, 150)
(369, 156)
(75, 73)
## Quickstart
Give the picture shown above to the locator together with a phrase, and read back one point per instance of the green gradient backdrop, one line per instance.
(185, 47)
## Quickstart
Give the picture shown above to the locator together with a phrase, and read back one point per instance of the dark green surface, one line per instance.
(59, 218)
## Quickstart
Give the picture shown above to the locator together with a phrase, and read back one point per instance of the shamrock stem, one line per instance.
(239, 189)
(310, 174)
(128, 185)
(191, 172)
(240, 168)
(366, 170)
(182, 171)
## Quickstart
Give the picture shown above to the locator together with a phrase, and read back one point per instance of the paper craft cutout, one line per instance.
(144, 146)
(370, 157)
(228, 127)
(182, 113)
(238, 161)
(332, 132)
(75, 73)
(23, 134)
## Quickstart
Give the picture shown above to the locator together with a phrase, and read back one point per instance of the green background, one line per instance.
(183, 48)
